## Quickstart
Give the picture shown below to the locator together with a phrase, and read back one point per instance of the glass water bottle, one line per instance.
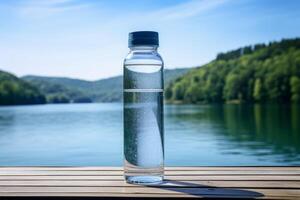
(143, 110)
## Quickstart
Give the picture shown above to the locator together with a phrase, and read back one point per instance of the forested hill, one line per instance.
(15, 91)
(63, 90)
(258, 73)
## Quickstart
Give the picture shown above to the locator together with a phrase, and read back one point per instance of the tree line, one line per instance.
(259, 73)
(14, 91)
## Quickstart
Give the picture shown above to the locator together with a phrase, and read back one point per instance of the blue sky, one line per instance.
(88, 38)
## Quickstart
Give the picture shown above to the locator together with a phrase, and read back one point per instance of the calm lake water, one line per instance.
(91, 134)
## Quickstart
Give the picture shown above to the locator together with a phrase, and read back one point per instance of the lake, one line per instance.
(203, 135)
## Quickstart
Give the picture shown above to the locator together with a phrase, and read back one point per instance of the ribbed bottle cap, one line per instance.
(140, 38)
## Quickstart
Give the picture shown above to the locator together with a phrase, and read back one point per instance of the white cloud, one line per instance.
(188, 9)
(168, 14)
(94, 47)
(42, 8)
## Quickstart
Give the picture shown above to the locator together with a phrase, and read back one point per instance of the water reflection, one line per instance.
(202, 135)
(268, 132)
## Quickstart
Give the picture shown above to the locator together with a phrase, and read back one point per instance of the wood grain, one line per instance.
(180, 182)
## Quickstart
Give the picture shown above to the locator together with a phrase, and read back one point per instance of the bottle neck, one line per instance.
(144, 48)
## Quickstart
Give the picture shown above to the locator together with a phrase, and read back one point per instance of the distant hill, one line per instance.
(258, 73)
(15, 91)
(59, 89)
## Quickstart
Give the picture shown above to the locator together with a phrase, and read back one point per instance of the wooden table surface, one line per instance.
(180, 182)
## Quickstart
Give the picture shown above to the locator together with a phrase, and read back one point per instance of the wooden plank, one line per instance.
(58, 168)
(85, 195)
(182, 182)
(188, 168)
(181, 178)
(199, 184)
(234, 168)
(136, 196)
(170, 173)
(221, 192)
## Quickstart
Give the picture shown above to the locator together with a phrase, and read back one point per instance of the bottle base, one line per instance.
(144, 180)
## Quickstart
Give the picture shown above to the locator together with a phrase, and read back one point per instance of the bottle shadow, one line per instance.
(206, 191)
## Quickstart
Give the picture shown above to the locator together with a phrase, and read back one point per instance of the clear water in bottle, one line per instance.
(143, 116)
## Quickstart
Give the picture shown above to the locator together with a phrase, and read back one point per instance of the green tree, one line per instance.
(169, 91)
(14, 91)
(260, 73)
(295, 89)
(178, 91)
(258, 91)
(232, 86)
